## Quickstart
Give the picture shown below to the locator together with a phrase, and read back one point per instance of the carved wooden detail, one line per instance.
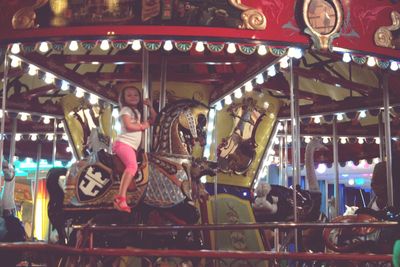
(384, 35)
(253, 19)
(25, 17)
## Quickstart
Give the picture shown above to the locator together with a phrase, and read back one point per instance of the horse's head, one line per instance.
(201, 167)
(192, 123)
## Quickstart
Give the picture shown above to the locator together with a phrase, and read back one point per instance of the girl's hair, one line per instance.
(122, 101)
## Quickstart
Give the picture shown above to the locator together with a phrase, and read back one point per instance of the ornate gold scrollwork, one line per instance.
(252, 18)
(25, 17)
(383, 36)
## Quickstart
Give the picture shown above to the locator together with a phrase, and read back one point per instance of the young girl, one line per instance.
(127, 143)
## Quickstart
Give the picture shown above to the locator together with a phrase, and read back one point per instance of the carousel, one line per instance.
(275, 141)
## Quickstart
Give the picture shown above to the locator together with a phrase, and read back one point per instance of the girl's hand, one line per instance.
(147, 102)
(145, 125)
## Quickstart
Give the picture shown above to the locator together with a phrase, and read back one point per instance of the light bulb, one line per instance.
(49, 78)
(343, 140)
(377, 140)
(93, 99)
(238, 93)
(32, 70)
(73, 46)
(15, 48)
(360, 140)
(168, 45)
(271, 71)
(262, 50)
(18, 137)
(136, 45)
(79, 93)
(64, 86)
(346, 57)
(218, 106)
(228, 100)
(260, 79)
(339, 116)
(394, 66)
(284, 63)
(325, 140)
(363, 114)
(291, 51)
(231, 48)
(33, 137)
(307, 139)
(317, 119)
(104, 45)
(248, 87)
(15, 62)
(44, 47)
(289, 139)
(199, 46)
(50, 137)
(24, 117)
(65, 137)
(371, 61)
(46, 119)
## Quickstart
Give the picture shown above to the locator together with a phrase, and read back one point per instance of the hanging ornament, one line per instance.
(119, 44)
(215, 47)
(152, 45)
(183, 46)
(277, 51)
(59, 46)
(247, 49)
(89, 45)
(359, 59)
(383, 64)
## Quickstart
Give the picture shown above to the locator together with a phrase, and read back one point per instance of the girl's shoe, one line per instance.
(120, 204)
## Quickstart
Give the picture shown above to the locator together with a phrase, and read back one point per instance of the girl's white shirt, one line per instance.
(132, 139)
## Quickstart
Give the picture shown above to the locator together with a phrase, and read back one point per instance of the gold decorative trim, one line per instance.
(253, 19)
(25, 17)
(323, 41)
(383, 36)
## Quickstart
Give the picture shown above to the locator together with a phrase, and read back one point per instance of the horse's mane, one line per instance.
(175, 105)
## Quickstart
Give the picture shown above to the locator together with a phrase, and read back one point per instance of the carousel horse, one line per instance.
(275, 202)
(166, 179)
(237, 151)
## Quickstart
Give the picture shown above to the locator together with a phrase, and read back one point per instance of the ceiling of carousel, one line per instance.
(328, 86)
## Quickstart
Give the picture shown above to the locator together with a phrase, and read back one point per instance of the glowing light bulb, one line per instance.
(64, 86)
(65, 137)
(325, 140)
(376, 160)
(93, 99)
(50, 137)
(44, 47)
(46, 119)
(394, 66)
(339, 116)
(168, 45)
(317, 119)
(104, 45)
(346, 57)
(73, 46)
(32, 70)
(260, 79)
(136, 45)
(360, 140)
(271, 71)
(321, 168)
(307, 139)
(1, 114)
(49, 78)
(79, 93)
(15, 62)
(276, 141)
(231, 48)
(377, 140)
(371, 61)
(363, 114)
(238, 93)
(218, 106)
(199, 46)
(289, 139)
(284, 63)
(351, 181)
(15, 48)
(262, 50)
(343, 140)
(248, 87)
(24, 116)
(228, 100)
(34, 137)
(68, 149)
(203, 179)
(18, 137)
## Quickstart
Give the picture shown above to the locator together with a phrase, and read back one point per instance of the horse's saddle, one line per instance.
(113, 162)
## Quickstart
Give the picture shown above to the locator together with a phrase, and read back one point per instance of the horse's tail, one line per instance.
(56, 199)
